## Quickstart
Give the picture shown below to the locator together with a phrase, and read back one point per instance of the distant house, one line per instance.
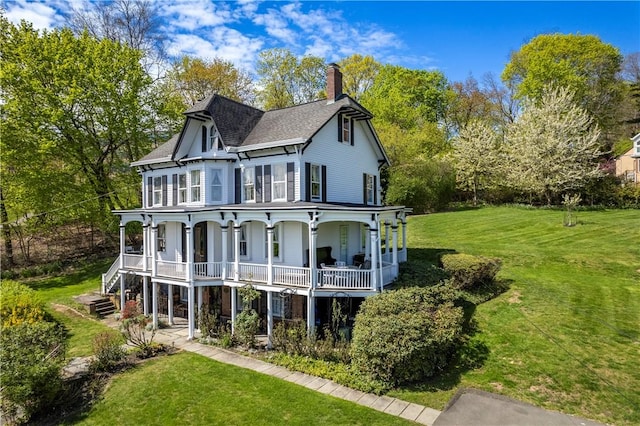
(628, 164)
(287, 200)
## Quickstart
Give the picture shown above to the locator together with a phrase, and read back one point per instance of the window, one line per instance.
(276, 241)
(182, 188)
(249, 184)
(370, 189)
(161, 241)
(214, 138)
(195, 186)
(279, 180)
(277, 305)
(216, 185)
(243, 241)
(203, 144)
(316, 182)
(157, 191)
(346, 129)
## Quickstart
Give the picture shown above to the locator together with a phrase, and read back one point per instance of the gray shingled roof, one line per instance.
(242, 126)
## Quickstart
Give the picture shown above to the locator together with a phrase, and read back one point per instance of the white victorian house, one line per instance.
(287, 200)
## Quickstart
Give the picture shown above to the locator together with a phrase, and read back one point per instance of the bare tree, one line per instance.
(134, 22)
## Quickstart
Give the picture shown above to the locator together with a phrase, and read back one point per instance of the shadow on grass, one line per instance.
(431, 255)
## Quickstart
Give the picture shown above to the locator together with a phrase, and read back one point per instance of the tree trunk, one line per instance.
(6, 232)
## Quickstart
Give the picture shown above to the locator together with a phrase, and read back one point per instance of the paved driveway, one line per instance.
(478, 408)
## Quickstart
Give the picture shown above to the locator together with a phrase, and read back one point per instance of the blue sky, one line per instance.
(458, 38)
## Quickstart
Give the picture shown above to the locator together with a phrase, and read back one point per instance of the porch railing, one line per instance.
(346, 279)
(133, 261)
(292, 276)
(110, 278)
(207, 270)
(165, 268)
(253, 272)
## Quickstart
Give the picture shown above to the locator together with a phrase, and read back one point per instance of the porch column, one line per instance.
(386, 239)
(122, 244)
(225, 255)
(170, 303)
(394, 257)
(190, 302)
(313, 238)
(152, 250)
(404, 238)
(189, 259)
(123, 279)
(145, 296)
(145, 247)
(367, 243)
(375, 246)
(269, 318)
(199, 300)
(269, 255)
(311, 314)
(154, 302)
(236, 252)
(234, 298)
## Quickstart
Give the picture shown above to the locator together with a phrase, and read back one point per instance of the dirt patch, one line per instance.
(497, 386)
(515, 297)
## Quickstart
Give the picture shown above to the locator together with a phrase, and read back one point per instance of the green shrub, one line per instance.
(108, 351)
(131, 309)
(419, 273)
(406, 335)
(468, 271)
(31, 360)
(19, 303)
(139, 332)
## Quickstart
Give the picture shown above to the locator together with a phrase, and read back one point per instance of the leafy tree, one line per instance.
(358, 74)
(630, 109)
(582, 63)
(194, 79)
(76, 105)
(476, 157)
(468, 102)
(286, 81)
(407, 98)
(552, 147)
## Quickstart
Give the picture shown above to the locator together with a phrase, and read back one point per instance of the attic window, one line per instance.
(214, 139)
(345, 129)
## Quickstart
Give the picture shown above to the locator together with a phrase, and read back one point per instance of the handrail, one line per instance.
(108, 280)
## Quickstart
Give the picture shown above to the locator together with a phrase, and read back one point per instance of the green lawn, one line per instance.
(189, 389)
(565, 336)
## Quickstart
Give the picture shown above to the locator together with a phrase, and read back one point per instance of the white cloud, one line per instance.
(276, 25)
(194, 16)
(41, 15)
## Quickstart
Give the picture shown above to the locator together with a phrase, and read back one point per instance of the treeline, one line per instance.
(81, 103)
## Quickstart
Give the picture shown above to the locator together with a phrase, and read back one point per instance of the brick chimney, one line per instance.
(334, 83)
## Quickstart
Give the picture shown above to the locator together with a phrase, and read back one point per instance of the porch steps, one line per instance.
(97, 304)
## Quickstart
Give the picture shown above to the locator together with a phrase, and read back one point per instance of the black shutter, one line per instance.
(339, 127)
(351, 130)
(324, 184)
(364, 189)
(149, 192)
(164, 190)
(204, 139)
(307, 181)
(291, 184)
(238, 186)
(174, 188)
(375, 190)
(258, 183)
(267, 183)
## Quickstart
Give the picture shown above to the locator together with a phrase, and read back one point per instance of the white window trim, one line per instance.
(282, 182)
(161, 238)
(183, 191)
(371, 188)
(193, 187)
(212, 172)
(318, 182)
(157, 190)
(249, 171)
(277, 305)
(346, 129)
(244, 229)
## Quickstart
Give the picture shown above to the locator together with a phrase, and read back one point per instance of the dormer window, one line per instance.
(214, 139)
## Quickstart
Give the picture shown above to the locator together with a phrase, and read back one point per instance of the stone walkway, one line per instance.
(177, 336)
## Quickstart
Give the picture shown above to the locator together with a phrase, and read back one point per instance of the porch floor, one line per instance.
(177, 336)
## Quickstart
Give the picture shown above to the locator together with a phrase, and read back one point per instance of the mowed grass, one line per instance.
(566, 335)
(189, 389)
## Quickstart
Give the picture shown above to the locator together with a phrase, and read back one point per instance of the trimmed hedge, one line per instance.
(406, 335)
(468, 271)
